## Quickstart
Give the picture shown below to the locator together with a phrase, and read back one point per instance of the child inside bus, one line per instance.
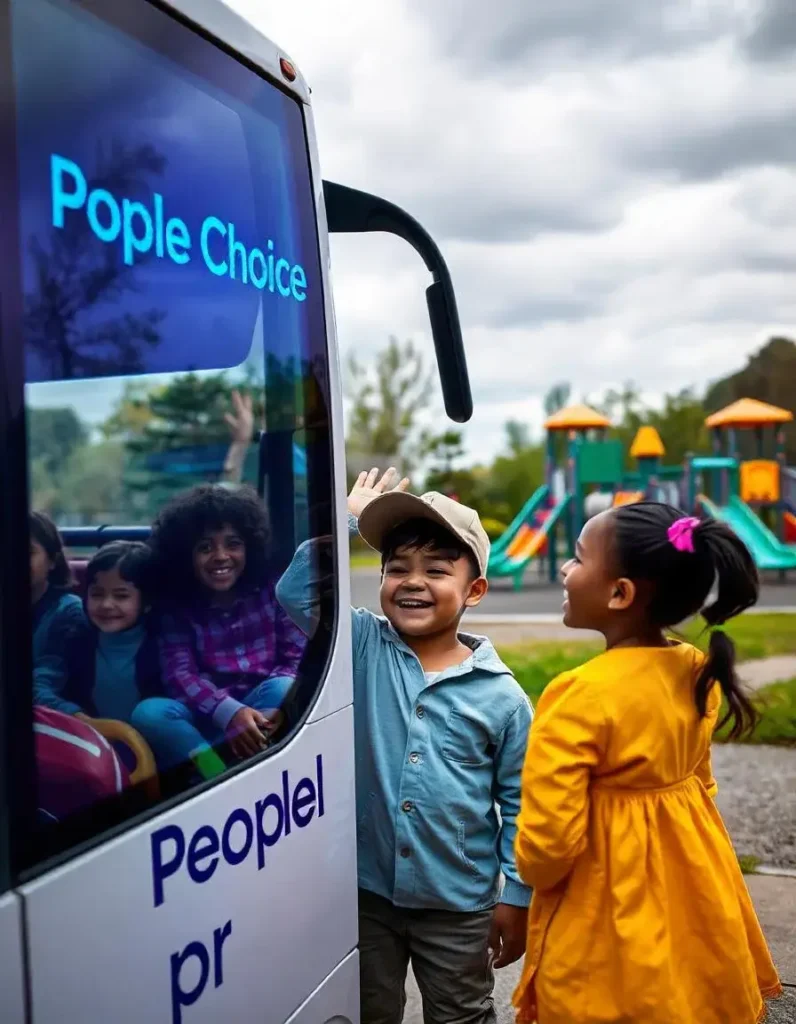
(57, 612)
(440, 729)
(229, 655)
(640, 911)
(112, 660)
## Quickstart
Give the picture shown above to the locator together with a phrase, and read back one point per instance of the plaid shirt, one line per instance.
(212, 657)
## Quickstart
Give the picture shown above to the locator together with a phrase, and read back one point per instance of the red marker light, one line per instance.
(287, 69)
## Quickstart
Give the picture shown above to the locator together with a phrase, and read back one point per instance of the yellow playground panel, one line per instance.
(760, 481)
(628, 497)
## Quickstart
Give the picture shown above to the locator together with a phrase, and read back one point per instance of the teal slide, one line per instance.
(525, 515)
(767, 551)
(514, 565)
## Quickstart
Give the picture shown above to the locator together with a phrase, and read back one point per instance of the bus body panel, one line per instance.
(329, 699)
(238, 34)
(12, 973)
(235, 935)
(222, 903)
(337, 999)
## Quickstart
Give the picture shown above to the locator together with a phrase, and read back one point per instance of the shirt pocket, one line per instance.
(465, 740)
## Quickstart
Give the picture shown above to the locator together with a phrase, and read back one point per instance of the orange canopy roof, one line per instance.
(577, 417)
(748, 412)
(647, 444)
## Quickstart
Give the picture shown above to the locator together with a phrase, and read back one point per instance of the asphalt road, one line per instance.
(541, 598)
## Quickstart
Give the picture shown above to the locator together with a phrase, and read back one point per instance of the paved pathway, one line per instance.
(538, 597)
(757, 674)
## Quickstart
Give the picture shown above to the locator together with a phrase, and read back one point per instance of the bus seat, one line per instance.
(145, 772)
(78, 569)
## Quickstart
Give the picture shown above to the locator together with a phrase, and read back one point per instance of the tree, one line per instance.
(769, 376)
(442, 451)
(92, 485)
(513, 476)
(557, 398)
(621, 404)
(681, 425)
(386, 401)
(75, 278)
(53, 434)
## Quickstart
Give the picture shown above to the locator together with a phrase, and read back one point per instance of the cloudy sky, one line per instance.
(611, 181)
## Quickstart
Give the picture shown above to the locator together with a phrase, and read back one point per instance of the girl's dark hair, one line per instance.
(426, 535)
(132, 559)
(44, 531)
(185, 519)
(681, 583)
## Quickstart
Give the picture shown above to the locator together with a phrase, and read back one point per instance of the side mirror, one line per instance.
(349, 210)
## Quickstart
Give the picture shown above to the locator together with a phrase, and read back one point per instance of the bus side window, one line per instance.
(174, 314)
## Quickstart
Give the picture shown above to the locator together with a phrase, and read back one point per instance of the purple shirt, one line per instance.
(213, 656)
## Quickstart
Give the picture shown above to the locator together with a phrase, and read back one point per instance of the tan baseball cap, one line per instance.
(395, 507)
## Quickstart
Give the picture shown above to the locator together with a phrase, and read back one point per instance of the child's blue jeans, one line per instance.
(177, 734)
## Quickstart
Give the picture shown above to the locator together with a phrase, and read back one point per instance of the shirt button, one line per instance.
(405, 851)
(414, 757)
(420, 711)
(407, 805)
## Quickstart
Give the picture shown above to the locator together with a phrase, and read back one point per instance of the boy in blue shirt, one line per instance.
(440, 728)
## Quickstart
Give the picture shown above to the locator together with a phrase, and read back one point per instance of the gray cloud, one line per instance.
(773, 36)
(520, 30)
(700, 152)
(611, 181)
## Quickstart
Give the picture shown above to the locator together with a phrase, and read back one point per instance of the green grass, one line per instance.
(534, 665)
(755, 636)
(365, 560)
(777, 707)
(749, 864)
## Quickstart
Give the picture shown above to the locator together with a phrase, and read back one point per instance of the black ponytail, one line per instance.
(738, 589)
(682, 581)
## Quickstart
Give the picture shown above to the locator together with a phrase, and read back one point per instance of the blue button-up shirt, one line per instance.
(438, 763)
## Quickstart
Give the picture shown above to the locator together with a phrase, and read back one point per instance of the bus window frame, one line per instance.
(26, 861)
(17, 745)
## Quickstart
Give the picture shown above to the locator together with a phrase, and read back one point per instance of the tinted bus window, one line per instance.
(173, 311)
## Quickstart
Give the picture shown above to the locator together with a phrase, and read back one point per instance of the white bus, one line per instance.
(164, 230)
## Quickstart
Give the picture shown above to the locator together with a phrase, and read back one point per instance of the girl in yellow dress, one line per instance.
(640, 913)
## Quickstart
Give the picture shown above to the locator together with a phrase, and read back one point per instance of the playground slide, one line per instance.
(767, 551)
(628, 497)
(524, 517)
(516, 559)
(790, 528)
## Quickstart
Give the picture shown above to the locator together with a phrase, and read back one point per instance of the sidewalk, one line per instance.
(775, 900)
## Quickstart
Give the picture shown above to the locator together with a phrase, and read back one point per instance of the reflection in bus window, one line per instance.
(229, 655)
(175, 357)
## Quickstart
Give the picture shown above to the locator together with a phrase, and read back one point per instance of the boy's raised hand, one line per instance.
(369, 486)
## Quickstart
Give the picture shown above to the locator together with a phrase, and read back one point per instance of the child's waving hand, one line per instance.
(370, 486)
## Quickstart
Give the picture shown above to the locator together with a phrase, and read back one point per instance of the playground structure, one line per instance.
(746, 491)
(593, 478)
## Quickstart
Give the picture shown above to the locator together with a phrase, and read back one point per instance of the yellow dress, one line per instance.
(640, 913)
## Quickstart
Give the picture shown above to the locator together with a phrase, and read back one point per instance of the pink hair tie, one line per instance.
(681, 533)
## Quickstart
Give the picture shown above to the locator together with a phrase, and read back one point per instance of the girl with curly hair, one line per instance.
(229, 654)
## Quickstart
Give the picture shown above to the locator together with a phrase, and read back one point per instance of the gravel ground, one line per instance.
(783, 1011)
(757, 799)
